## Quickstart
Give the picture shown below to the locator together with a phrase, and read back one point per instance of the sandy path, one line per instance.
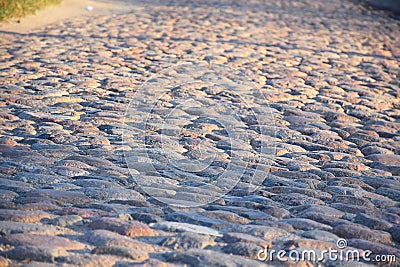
(68, 9)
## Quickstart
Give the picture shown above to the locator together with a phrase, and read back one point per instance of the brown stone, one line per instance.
(59, 196)
(123, 227)
(24, 216)
(84, 213)
(3, 262)
(8, 141)
(90, 260)
(122, 251)
(108, 238)
(226, 215)
(388, 159)
(358, 231)
(35, 253)
(375, 247)
(242, 237)
(38, 240)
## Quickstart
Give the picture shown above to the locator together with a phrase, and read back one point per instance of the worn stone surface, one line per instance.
(289, 137)
(41, 241)
(123, 227)
(108, 238)
(121, 251)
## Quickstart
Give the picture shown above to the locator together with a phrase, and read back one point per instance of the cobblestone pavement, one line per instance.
(76, 191)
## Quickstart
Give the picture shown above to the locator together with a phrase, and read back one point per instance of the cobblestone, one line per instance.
(199, 132)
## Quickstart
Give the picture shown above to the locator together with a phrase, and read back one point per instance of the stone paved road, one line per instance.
(329, 71)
